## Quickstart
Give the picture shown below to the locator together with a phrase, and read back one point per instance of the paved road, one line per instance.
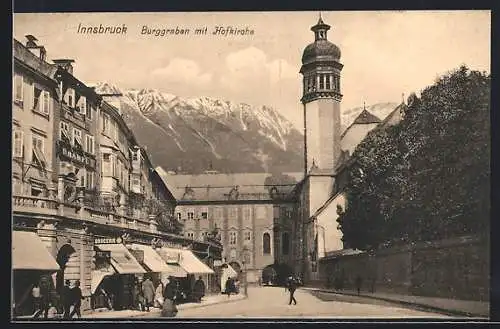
(268, 302)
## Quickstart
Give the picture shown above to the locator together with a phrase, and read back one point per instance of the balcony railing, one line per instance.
(121, 217)
(33, 202)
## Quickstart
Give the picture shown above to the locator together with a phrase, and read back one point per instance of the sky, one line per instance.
(386, 54)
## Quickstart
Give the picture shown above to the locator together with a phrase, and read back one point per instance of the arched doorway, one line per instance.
(237, 268)
(269, 275)
(64, 257)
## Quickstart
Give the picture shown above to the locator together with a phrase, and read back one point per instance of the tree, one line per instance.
(427, 177)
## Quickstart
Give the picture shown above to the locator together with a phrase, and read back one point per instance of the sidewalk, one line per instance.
(455, 307)
(208, 300)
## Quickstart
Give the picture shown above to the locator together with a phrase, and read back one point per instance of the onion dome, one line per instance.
(321, 48)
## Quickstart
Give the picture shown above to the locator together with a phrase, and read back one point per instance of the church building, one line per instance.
(328, 152)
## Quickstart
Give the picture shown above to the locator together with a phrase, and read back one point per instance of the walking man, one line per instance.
(66, 299)
(292, 286)
(169, 309)
(77, 297)
(148, 289)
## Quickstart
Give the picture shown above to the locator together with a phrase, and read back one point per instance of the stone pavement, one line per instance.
(443, 305)
(272, 302)
(207, 300)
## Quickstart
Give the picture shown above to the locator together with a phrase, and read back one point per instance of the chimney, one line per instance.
(65, 64)
(38, 51)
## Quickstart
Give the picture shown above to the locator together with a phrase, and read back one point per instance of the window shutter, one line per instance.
(18, 144)
(46, 102)
(18, 88)
(36, 99)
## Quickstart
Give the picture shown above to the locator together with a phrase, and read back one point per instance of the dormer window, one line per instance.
(82, 105)
(70, 97)
(88, 111)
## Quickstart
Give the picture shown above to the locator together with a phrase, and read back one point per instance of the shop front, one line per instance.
(32, 264)
(226, 272)
(113, 285)
(191, 266)
(159, 268)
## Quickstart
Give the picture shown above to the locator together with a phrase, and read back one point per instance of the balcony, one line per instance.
(36, 207)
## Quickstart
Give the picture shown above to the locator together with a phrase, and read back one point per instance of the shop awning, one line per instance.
(121, 259)
(172, 258)
(152, 259)
(230, 271)
(98, 276)
(189, 262)
(30, 253)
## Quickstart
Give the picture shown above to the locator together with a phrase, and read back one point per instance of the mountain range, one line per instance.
(204, 133)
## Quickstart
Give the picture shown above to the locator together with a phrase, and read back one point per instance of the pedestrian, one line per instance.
(141, 301)
(35, 294)
(169, 309)
(136, 291)
(44, 298)
(148, 290)
(199, 289)
(359, 282)
(228, 287)
(66, 299)
(292, 286)
(159, 295)
(76, 296)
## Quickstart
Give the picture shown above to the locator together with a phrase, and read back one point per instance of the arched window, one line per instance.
(285, 244)
(266, 243)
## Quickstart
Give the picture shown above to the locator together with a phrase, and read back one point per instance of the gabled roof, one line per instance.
(366, 117)
(398, 108)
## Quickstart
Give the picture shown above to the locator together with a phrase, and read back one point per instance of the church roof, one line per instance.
(223, 187)
(366, 117)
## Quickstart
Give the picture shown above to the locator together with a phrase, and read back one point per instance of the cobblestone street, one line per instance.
(267, 302)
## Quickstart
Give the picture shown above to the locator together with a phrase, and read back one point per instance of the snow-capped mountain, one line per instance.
(202, 133)
(196, 134)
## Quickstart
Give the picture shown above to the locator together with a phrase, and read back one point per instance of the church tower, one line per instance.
(321, 99)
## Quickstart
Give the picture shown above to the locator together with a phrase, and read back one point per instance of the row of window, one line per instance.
(111, 129)
(218, 213)
(74, 137)
(37, 147)
(321, 81)
(41, 99)
(78, 102)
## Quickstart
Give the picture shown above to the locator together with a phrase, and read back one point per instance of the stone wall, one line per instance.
(456, 268)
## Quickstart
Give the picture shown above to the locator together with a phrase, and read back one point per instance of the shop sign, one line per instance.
(173, 257)
(116, 240)
(68, 153)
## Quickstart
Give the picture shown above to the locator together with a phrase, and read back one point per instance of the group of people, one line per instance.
(71, 300)
(164, 296)
(231, 286)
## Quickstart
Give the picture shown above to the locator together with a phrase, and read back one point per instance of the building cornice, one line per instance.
(21, 65)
